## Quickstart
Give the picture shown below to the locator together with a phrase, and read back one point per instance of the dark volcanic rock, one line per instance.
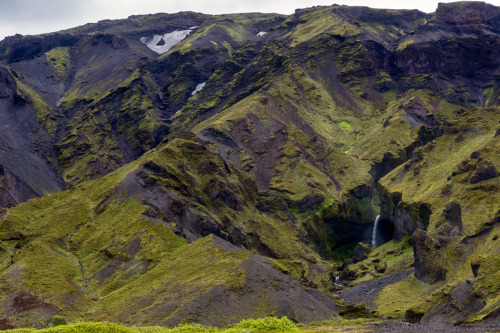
(452, 224)
(310, 201)
(361, 252)
(366, 292)
(6, 324)
(461, 302)
(427, 267)
(21, 305)
(484, 171)
(406, 218)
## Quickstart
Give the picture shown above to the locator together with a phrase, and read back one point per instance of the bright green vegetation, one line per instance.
(396, 256)
(318, 22)
(405, 44)
(60, 60)
(396, 298)
(261, 325)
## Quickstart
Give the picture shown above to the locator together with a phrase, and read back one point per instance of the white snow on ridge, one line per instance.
(198, 88)
(162, 43)
(262, 33)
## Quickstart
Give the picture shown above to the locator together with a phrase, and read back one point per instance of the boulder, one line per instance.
(381, 267)
(484, 171)
(451, 221)
(361, 252)
(427, 267)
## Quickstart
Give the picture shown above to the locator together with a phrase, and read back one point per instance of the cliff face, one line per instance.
(251, 136)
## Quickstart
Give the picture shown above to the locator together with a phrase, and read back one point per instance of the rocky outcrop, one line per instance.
(451, 222)
(405, 217)
(361, 252)
(484, 171)
(428, 265)
(461, 302)
(23, 308)
(12, 190)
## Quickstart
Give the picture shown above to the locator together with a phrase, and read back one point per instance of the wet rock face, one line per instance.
(427, 267)
(406, 218)
(404, 224)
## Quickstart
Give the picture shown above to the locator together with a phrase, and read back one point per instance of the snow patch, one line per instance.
(162, 43)
(198, 88)
(262, 33)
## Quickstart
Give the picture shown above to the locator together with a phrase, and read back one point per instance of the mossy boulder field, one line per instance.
(341, 163)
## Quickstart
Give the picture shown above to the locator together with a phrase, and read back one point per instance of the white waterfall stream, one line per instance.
(374, 232)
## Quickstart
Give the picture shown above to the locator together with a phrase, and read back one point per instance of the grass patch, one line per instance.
(394, 299)
(60, 60)
(260, 325)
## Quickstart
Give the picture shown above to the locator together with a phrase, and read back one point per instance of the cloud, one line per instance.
(41, 16)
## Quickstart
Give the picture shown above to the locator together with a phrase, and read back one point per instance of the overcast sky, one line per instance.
(41, 16)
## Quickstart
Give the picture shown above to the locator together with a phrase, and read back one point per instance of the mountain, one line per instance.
(185, 167)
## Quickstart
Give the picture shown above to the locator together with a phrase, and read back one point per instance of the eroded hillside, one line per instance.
(213, 168)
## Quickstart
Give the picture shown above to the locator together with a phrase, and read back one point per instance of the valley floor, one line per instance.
(351, 326)
(399, 326)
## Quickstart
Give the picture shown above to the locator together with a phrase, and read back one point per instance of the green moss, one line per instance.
(394, 299)
(44, 112)
(318, 22)
(488, 95)
(90, 143)
(345, 126)
(228, 47)
(190, 271)
(405, 44)
(60, 60)
(260, 325)
(394, 256)
(103, 242)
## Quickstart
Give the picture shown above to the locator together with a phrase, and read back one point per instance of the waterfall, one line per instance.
(337, 279)
(374, 232)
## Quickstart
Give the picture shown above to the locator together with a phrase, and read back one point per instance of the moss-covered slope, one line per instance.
(91, 250)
